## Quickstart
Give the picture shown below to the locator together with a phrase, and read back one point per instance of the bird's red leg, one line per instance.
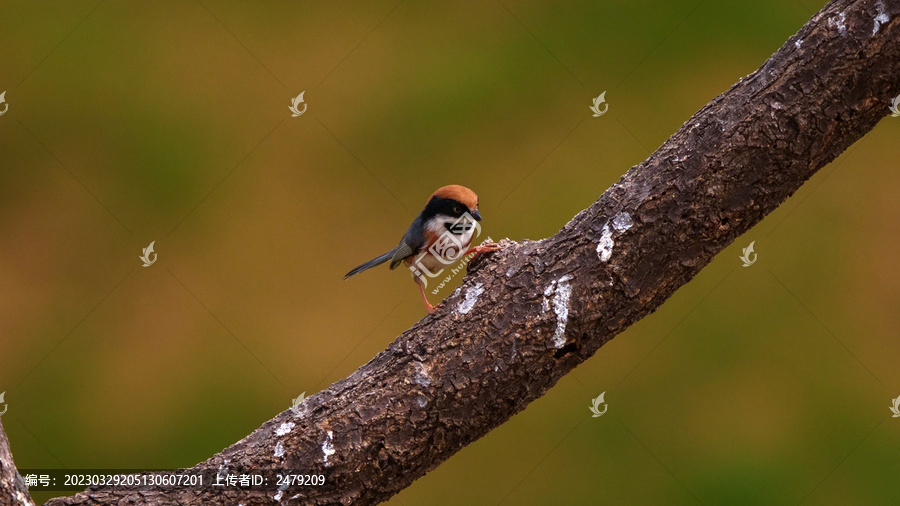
(481, 249)
(428, 305)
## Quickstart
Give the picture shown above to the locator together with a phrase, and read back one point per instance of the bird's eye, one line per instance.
(457, 210)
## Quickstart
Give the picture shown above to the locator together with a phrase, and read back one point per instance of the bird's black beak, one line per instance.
(476, 215)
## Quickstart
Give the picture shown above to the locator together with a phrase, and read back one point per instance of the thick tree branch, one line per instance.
(530, 313)
(13, 491)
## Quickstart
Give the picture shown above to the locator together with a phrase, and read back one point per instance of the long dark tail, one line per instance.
(371, 263)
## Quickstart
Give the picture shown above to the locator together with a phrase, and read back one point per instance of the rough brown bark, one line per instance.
(530, 313)
(13, 491)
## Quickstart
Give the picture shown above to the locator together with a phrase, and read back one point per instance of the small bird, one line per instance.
(445, 224)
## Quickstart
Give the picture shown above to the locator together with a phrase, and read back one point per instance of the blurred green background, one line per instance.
(132, 122)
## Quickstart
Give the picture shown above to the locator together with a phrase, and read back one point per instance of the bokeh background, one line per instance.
(132, 122)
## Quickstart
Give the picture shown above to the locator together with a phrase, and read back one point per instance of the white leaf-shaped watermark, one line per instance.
(2, 401)
(295, 404)
(3, 101)
(596, 107)
(895, 408)
(595, 406)
(748, 261)
(146, 256)
(295, 105)
(895, 107)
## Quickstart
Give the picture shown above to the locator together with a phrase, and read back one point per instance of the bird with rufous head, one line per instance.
(450, 210)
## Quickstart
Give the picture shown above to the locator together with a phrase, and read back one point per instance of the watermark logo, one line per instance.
(601, 99)
(894, 409)
(5, 406)
(448, 249)
(146, 256)
(595, 406)
(746, 256)
(450, 245)
(894, 107)
(295, 404)
(295, 105)
(454, 270)
(5, 104)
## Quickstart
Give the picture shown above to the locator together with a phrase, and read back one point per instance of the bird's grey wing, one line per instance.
(403, 250)
(412, 243)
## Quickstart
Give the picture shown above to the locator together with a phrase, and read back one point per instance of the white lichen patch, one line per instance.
(881, 18)
(622, 222)
(281, 489)
(223, 469)
(798, 43)
(605, 245)
(422, 378)
(561, 291)
(839, 21)
(545, 303)
(284, 428)
(328, 447)
(471, 298)
(279, 450)
(23, 499)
